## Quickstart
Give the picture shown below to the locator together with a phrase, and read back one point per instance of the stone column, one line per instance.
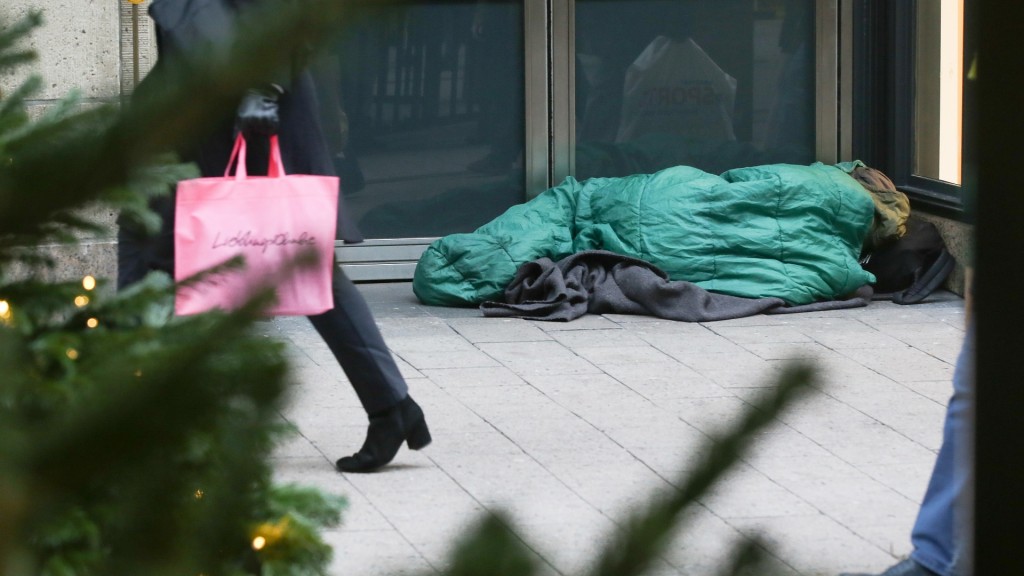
(93, 47)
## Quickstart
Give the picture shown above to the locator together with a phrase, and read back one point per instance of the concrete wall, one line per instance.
(958, 238)
(86, 46)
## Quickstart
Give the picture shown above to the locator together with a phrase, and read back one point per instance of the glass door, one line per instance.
(442, 114)
(423, 104)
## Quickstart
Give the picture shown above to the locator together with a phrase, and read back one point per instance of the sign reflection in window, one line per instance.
(715, 85)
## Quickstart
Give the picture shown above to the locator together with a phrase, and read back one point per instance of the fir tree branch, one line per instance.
(11, 35)
(648, 532)
(491, 548)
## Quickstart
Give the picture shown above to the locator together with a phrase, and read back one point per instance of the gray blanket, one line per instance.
(602, 282)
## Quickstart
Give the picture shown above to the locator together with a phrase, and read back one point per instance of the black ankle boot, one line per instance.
(403, 422)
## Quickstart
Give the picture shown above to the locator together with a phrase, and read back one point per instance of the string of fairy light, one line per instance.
(80, 301)
(264, 534)
(89, 283)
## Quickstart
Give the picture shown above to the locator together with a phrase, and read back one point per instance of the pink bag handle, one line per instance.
(237, 152)
(275, 168)
(275, 165)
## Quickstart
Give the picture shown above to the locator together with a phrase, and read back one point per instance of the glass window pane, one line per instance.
(715, 85)
(938, 90)
(422, 104)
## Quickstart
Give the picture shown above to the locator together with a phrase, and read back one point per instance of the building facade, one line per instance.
(440, 115)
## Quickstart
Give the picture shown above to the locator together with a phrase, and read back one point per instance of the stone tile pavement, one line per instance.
(567, 427)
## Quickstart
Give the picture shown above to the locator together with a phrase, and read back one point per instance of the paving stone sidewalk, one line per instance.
(567, 427)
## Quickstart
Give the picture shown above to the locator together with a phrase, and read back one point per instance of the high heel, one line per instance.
(419, 434)
(403, 422)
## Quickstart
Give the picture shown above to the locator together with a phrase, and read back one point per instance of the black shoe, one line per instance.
(905, 568)
(403, 422)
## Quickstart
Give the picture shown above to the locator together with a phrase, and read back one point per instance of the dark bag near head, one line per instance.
(912, 267)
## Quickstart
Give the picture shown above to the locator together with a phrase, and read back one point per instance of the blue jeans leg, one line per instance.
(939, 532)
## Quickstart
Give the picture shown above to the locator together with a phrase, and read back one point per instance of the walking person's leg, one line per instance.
(352, 335)
(940, 531)
(140, 252)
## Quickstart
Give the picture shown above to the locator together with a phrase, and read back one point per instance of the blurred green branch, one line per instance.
(493, 549)
(133, 441)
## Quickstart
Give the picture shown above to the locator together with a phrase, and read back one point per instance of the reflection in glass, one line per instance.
(715, 85)
(423, 108)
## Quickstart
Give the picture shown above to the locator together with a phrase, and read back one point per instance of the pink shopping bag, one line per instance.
(268, 220)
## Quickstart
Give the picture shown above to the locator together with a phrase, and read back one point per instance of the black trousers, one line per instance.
(348, 329)
(352, 335)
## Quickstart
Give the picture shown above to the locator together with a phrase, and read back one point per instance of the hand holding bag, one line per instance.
(269, 221)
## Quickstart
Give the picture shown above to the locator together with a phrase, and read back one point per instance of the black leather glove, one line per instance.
(257, 114)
